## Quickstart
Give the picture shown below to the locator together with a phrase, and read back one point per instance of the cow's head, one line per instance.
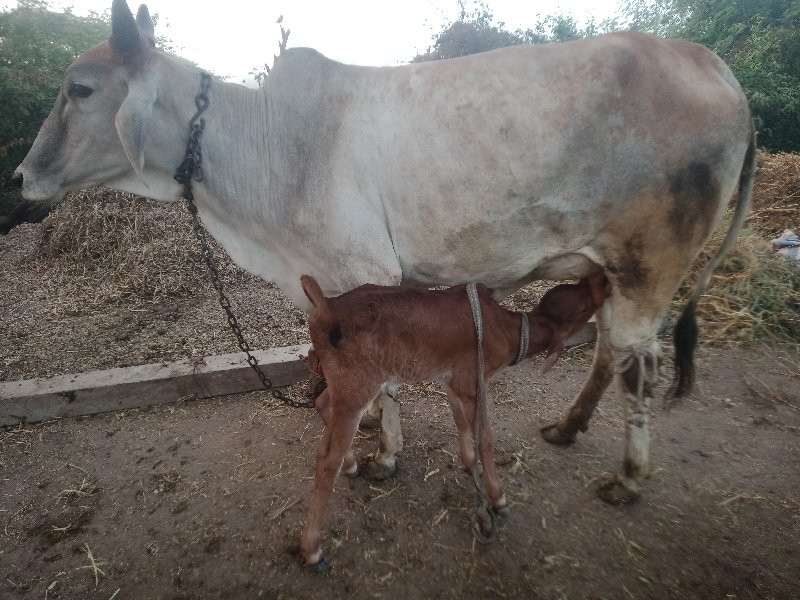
(95, 133)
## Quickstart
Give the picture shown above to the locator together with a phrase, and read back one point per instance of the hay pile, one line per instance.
(776, 194)
(753, 295)
(112, 247)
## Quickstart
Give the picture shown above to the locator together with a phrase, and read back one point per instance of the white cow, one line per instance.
(617, 153)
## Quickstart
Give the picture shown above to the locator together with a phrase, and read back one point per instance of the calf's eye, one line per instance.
(78, 90)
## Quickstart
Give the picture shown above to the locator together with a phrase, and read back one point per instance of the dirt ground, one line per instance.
(206, 499)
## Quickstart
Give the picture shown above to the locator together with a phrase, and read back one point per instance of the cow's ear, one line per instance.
(125, 38)
(144, 22)
(133, 119)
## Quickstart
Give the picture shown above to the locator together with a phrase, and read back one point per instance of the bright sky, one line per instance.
(234, 36)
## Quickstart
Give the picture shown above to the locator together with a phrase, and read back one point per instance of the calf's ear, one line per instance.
(133, 119)
(555, 349)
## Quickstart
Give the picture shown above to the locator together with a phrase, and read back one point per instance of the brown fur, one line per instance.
(375, 334)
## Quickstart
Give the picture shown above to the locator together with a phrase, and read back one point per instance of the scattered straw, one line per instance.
(776, 194)
(94, 565)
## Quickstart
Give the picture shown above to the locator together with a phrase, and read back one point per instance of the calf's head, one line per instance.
(566, 309)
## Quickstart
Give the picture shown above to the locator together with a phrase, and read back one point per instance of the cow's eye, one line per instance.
(78, 90)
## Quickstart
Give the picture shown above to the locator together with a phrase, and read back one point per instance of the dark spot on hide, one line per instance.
(694, 191)
(633, 374)
(626, 68)
(629, 268)
(335, 336)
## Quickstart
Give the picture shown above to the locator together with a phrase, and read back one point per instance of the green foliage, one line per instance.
(36, 47)
(473, 31)
(476, 31)
(759, 39)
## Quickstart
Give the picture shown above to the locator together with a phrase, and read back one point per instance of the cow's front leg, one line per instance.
(638, 372)
(383, 464)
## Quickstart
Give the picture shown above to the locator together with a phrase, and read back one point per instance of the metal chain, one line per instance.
(191, 168)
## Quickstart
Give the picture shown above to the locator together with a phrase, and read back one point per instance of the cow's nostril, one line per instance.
(16, 180)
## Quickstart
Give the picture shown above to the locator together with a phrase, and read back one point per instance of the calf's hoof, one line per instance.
(321, 566)
(616, 489)
(553, 434)
(375, 470)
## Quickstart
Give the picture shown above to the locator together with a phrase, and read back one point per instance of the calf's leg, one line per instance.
(466, 447)
(340, 429)
(464, 407)
(323, 405)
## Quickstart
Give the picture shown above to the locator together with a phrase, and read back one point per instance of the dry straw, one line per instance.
(753, 295)
(109, 246)
(776, 195)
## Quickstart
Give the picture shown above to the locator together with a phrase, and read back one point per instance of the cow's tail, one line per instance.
(685, 333)
(322, 314)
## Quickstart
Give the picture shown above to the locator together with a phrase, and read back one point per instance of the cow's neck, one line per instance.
(237, 197)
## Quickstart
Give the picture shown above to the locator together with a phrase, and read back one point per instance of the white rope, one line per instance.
(480, 411)
(524, 338)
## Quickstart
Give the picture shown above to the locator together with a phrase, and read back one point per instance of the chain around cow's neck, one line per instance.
(191, 168)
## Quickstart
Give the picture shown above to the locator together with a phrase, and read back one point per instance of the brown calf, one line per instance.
(375, 335)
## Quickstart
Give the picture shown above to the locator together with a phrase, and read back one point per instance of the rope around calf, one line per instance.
(484, 519)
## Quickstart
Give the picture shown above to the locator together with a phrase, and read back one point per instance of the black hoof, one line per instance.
(617, 490)
(502, 513)
(551, 433)
(321, 566)
(375, 471)
(483, 525)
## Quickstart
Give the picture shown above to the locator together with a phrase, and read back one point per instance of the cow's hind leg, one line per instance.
(637, 368)
(564, 431)
(384, 463)
(633, 314)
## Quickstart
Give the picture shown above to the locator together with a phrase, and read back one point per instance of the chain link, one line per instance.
(191, 168)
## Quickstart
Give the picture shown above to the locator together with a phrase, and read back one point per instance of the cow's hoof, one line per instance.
(618, 490)
(483, 525)
(320, 566)
(369, 421)
(503, 513)
(553, 434)
(377, 471)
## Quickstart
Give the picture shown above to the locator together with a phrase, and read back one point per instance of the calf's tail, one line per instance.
(685, 333)
(323, 318)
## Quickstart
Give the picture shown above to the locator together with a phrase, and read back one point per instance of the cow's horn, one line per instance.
(144, 21)
(125, 37)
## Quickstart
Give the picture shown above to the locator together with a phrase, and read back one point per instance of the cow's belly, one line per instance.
(500, 251)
